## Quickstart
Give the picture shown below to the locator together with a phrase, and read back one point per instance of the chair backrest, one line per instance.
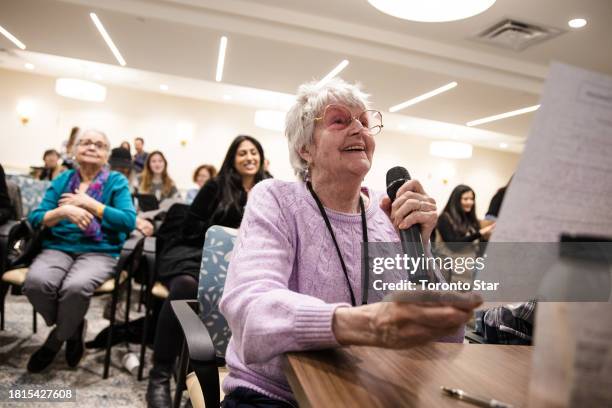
(14, 193)
(218, 245)
(32, 191)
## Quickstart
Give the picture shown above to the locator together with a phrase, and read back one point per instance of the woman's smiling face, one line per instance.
(247, 160)
(338, 149)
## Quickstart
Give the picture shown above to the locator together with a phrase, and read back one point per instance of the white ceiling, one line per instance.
(278, 44)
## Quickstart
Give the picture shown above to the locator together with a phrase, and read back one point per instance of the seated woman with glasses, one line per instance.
(88, 214)
(294, 282)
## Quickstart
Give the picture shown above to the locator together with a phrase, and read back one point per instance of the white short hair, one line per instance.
(310, 102)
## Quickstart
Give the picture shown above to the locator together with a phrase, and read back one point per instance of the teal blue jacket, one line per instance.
(118, 220)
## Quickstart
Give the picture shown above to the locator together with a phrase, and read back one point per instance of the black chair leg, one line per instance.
(145, 330)
(208, 376)
(141, 299)
(128, 300)
(3, 291)
(109, 341)
(182, 375)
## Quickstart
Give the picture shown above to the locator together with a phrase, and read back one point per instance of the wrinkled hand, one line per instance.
(412, 206)
(79, 199)
(78, 216)
(144, 226)
(402, 325)
(409, 321)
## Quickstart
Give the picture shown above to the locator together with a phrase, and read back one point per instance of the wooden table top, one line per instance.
(375, 377)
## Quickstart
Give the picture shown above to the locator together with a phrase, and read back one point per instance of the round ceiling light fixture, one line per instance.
(432, 11)
(577, 23)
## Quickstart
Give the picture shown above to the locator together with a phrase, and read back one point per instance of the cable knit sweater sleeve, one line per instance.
(266, 317)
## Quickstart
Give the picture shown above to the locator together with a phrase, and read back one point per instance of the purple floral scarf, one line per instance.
(95, 190)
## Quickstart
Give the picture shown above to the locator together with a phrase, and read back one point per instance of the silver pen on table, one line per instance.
(481, 402)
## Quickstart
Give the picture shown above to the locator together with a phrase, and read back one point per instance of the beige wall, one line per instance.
(129, 113)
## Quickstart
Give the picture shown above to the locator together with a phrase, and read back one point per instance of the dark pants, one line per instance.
(246, 398)
(168, 334)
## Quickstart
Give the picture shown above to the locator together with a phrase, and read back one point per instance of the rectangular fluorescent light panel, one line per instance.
(333, 72)
(107, 38)
(503, 115)
(12, 38)
(221, 59)
(421, 98)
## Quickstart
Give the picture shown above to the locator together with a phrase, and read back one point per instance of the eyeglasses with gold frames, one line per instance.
(339, 117)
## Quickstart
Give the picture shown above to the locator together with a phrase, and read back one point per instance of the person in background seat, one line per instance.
(155, 180)
(200, 176)
(88, 214)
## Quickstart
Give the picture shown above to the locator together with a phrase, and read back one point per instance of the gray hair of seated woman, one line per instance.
(311, 100)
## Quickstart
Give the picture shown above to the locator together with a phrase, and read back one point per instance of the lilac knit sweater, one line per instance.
(285, 281)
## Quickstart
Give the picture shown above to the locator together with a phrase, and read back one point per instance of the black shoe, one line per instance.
(41, 359)
(158, 390)
(45, 354)
(75, 346)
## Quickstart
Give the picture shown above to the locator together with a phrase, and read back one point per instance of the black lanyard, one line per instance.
(364, 230)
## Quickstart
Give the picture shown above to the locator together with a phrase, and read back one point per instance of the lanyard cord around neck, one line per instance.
(364, 230)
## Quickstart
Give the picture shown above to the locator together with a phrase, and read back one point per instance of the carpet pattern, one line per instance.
(17, 343)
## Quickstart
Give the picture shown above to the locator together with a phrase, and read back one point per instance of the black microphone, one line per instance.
(412, 245)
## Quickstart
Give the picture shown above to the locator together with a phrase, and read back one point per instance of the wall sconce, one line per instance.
(185, 132)
(25, 110)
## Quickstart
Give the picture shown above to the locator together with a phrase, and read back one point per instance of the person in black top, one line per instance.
(220, 201)
(458, 231)
(6, 208)
(458, 222)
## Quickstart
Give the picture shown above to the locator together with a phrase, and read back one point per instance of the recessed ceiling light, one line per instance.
(503, 115)
(227, 97)
(577, 23)
(451, 150)
(421, 98)
(163, 87)
(221, 59)
(29, 65)
(432, 11)
(80, 89)
(503, 145)
(333, 72)
(107, 39)
(12, 38)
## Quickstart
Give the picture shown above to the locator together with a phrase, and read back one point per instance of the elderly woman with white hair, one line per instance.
(88, 214)
(295, 282)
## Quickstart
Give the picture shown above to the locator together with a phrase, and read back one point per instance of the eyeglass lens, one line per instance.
(338, 118)
(88, 142)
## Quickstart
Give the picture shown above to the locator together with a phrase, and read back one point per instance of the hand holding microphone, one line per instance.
(408, 206)
(413, 213)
